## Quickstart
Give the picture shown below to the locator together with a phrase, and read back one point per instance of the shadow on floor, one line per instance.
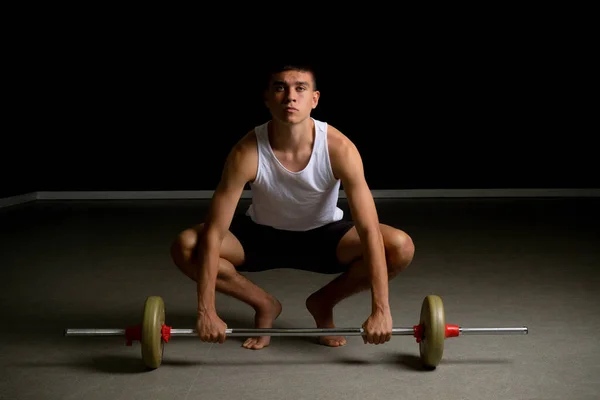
(134, 365)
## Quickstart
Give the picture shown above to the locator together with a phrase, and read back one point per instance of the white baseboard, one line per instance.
(377, 194)
(19, 199)
(128, 195)
(473, 193)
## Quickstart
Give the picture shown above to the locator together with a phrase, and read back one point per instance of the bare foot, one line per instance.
(323, 316)
(264, 318)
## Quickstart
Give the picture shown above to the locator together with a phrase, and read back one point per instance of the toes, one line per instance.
(256, 343)
(332, 342)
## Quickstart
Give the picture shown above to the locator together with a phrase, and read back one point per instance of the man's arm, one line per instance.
(348, 167)
(240, 167)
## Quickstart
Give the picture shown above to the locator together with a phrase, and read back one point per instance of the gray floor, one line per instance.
(494, 262)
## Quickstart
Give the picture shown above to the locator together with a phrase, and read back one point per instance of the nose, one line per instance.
(290, 96)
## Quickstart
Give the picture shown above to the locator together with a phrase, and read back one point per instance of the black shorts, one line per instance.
(268, 248)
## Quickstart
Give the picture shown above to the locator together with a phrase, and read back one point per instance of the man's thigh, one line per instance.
(350, 247)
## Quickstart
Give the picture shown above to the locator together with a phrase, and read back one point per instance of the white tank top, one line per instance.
(296, 201)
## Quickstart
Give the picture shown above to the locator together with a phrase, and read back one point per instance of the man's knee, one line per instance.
(183, 248)
(400, 251)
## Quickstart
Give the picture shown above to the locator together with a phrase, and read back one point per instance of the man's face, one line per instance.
(291, 96)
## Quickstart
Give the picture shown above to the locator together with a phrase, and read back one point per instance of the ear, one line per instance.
(315, 100)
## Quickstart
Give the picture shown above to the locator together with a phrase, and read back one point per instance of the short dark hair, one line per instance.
(275, 69)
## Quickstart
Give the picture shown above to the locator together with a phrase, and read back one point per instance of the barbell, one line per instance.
(430, 333)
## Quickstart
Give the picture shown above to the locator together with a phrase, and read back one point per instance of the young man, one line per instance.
(294, 165)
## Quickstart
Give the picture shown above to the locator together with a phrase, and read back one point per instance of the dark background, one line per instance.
(101, 106)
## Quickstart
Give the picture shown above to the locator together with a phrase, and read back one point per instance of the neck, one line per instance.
(288, 137)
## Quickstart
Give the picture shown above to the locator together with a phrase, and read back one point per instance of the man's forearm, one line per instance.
(208, 268)
(377, 267)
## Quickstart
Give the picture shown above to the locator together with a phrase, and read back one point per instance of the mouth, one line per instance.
(289, 109)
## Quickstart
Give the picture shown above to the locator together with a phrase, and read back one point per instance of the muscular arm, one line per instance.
(348, 166)
(240, 167)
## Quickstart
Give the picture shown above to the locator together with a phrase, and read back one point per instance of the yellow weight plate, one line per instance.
(153, 320)
(433, 323)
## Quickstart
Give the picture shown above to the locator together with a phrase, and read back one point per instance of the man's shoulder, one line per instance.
(243, 157)
(248, 140)
(342, 151)
(338, 143)
(245, 149)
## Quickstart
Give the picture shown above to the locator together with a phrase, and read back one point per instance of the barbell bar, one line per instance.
(297, 331)
(430, 333)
